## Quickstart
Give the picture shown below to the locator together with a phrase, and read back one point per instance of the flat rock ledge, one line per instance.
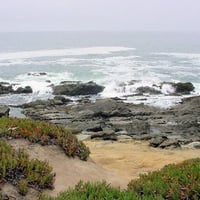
(112, 119)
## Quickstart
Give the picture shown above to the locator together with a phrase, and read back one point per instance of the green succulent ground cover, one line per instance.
(180, 181)
(18, 169)
(45, 134)
(173, 182)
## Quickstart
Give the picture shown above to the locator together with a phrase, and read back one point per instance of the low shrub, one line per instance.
(45, 134)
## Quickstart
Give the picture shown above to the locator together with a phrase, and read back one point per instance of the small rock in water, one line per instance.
(4, 111)
(75, 89)
(25, 90)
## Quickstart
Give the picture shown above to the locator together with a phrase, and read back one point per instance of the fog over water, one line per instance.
(104, 15)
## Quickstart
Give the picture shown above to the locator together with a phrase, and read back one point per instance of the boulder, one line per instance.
(25, 90)
(164, 142)
(157, 141)
(5, 88)
(184, 88)
(75, 89)
(4, 111)
(170, 144)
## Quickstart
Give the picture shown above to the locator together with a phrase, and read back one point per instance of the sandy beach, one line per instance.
(132, 158)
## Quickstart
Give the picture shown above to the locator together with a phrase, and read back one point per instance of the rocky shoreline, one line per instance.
(113, 119)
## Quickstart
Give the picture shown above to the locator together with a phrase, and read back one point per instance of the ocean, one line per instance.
(120, 61)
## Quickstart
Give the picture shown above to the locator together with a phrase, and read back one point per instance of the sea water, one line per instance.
(120, 61)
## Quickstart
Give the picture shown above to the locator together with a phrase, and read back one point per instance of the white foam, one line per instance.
(161, 101)
(40, 84)
(167, 89)
(179, 55)
(62, 52)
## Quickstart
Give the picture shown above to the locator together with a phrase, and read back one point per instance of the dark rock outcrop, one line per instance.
(164, 142)
(45, 104)
(6, 88)
(37, 74)
(26, 90)
(115, 120)
(147, 89)
(77, 88)
(4, 111)
(184, 88)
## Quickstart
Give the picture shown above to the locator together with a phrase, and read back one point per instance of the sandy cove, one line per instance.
(115, 162)
(133, 158)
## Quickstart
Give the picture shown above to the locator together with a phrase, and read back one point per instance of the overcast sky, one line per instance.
(104, 15)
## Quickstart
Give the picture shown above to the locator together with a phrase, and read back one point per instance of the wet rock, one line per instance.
(147, 89)
(62, 99)
(4, 111)
(84, 100)
(6, 88)
(76, 89)
(184, 88)
(25, 90)
(37, 74)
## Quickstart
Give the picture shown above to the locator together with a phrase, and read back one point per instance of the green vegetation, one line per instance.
(180, 181)
(173, 182)
(92, 191)
(18, 169)
(43, 133)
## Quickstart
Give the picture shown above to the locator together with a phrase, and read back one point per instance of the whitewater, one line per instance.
(121, 62)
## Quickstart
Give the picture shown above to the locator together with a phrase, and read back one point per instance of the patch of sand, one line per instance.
(69, 171)
(133, 158)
